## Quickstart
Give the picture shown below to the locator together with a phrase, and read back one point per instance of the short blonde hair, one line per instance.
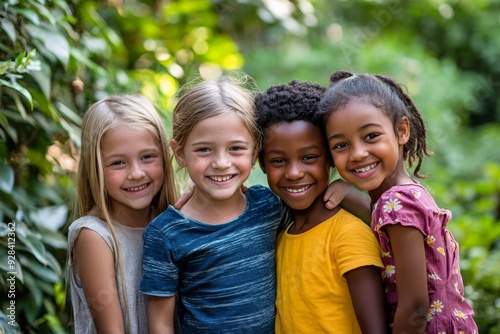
(211, 98)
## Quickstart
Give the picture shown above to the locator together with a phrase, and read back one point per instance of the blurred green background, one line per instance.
(57, 57)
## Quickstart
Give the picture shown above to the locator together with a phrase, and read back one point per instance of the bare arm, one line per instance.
(341, 193)
(161, 311)
(411, 279)
(367, 295)
(94, 264)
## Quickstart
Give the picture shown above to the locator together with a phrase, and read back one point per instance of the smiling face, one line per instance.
(133, 171)
(365, 148)
(296, 162)
(218, 154)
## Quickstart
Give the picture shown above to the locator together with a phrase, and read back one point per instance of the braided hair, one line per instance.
(387, 95)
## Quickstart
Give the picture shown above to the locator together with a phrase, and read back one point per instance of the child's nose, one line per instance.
(358, 152)
(221, 161)
(294, 172)
(136, 172)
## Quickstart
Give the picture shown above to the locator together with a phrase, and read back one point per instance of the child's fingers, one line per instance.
(184, 198)
(335, 193)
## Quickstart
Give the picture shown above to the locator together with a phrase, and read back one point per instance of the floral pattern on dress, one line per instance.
(411, 205)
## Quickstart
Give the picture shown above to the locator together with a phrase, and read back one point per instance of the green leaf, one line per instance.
(34, 246)
(6, 178)
(69, 113)
(54, 41)
(21, 90)
(4, 229)
(42, 272)
(50, 217)
(9, 29)
(43, 79)
(29, 15)
(17, 271)
(19, 59)
(4, 67)
(5, 325)
(54, 239)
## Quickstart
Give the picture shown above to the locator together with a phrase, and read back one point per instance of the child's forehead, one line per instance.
(293, 124)
(294, 131)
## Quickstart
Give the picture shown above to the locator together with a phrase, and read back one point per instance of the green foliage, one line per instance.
(57, 56)
(33, 188)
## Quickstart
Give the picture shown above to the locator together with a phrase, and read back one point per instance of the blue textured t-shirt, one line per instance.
(224, 274)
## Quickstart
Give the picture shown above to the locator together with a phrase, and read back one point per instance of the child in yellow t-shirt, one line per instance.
(328, 261)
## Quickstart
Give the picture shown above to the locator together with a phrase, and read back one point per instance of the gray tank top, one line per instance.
(131, 246)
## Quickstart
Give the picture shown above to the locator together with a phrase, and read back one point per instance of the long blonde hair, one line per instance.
(93, 198)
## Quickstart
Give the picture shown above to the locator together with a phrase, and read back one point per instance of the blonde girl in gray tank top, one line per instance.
(125, 179)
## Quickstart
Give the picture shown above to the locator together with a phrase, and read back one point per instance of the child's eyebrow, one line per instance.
(305, 148)
(361, 128)
(335, 136)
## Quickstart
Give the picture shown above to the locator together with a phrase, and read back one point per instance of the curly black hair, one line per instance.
(296, 100)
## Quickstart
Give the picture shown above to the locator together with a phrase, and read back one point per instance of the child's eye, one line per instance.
(117, 163)
(277, 161)
(339, 146)
(371, 136)
(237, 148)
(202, 149)
(150, 157)
(310, 157)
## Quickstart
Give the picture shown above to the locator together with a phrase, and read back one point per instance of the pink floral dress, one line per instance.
(411, 205)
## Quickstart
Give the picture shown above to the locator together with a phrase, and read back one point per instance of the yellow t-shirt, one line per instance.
(312, 295)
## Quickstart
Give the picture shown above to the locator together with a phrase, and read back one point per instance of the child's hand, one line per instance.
(350, 198)
(336, 192)
(184, 198)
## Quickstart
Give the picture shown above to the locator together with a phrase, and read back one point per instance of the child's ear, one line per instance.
(178, 152)
(404, 131)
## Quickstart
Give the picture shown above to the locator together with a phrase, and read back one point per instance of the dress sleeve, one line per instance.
(405, 208)
(159, 271)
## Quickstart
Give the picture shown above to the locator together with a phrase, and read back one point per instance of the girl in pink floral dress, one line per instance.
(373, 129)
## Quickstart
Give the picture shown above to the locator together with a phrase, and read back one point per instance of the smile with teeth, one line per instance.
(365, 169)
(137, 188)
(299, 190)
(220, 178)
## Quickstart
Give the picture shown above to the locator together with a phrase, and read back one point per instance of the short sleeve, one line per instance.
(356, 246)
(404, 207)
(159, 271)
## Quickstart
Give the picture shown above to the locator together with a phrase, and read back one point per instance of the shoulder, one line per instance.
(347, 223)
(409, 195)
(169, 215)
(89, 223)
(259, 193)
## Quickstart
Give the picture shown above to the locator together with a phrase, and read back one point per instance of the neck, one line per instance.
(133, 218)
(401, 177)
(315, 214)
(211, 211)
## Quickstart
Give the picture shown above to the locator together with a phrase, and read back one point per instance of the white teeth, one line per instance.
(365, 169)
(137, 188)
(299, 190)
(220, 178)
